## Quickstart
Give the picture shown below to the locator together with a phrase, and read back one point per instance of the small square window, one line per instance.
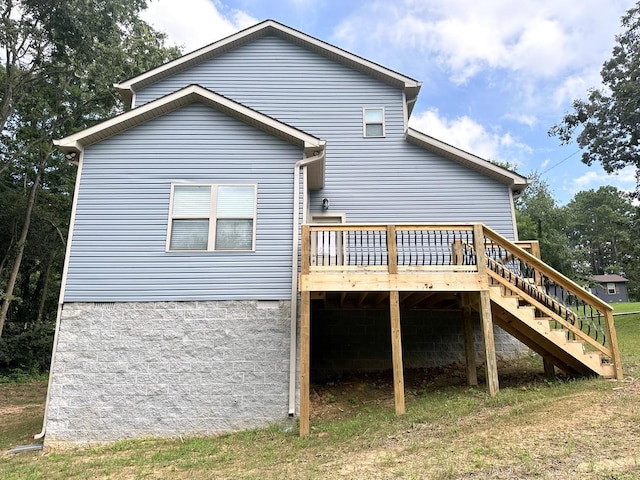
(611, 288)
(212, 217)
(373, 122)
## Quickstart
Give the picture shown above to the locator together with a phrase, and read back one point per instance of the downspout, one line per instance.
(293, 340)
(63, 283)
(514, 220)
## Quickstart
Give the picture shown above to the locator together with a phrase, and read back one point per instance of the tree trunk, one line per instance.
(13, 277)
(45, 290)
(5, 259)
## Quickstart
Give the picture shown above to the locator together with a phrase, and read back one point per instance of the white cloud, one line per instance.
(466, 134)
(525, 119)
(195, 23)
(537, 38)
(624, 180)
(575, 86)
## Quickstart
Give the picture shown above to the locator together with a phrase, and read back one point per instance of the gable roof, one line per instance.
(609, 278)
(515, 181)
(410, 86)
(185, 96)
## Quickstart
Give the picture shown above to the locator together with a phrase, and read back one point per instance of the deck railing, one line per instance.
(367, 247)
(582, 314)
(451, 248)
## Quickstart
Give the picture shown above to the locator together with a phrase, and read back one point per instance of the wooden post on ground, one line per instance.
(305, 360)
(486, 320)
(613, 344)
(396, 336)
(396, 352)
(549, 368)
(489, 343)
(469, 345)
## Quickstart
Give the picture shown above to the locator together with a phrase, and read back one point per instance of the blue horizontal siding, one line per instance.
(121, 220)
(369, 179)
(118, 246)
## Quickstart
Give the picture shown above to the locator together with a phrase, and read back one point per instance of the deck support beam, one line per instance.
(491, 364)
(486, 321)
(396, 336)
(396, 352)
(305, 361)
(469, 344)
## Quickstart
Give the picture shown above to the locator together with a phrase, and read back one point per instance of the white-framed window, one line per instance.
(373, 122)
(211, 217)
(611, 288)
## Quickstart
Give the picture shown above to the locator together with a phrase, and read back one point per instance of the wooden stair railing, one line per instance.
(584, 316)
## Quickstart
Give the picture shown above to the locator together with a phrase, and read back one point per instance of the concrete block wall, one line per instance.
(360, 340)
(127, 370)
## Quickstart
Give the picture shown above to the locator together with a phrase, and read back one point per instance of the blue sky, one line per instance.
(496, 73)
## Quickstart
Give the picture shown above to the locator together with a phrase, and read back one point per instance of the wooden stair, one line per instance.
(538, 331)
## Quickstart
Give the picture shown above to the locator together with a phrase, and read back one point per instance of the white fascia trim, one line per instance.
(505, 176)
(148, 111)
(263, 27)
(189, 57)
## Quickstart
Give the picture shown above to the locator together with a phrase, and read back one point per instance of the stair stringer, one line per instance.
(537, 334)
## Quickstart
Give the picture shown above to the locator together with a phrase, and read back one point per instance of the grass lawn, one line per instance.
(626, 307)
(563, 429)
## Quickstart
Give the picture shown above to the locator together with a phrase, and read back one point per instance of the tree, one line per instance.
(603, 225)
(607, 124)
(59, 62)
(539, 218)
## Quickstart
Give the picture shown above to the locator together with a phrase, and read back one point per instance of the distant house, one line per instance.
(610, 288)
(263, 213)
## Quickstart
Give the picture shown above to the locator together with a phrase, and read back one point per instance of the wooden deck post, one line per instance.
(613, 344)
(396, 352)
(304, 249)
(486, 321)
(469, 344)
(396, 335)
(491, 365)
(549, 368)
(392, 249)
(305, 360)
(489, 343)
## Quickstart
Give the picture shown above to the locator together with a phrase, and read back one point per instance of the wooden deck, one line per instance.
(393, 263)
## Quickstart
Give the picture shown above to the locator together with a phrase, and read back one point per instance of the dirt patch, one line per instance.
(589, 435)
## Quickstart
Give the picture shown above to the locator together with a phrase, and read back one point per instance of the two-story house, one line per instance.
(259, 182)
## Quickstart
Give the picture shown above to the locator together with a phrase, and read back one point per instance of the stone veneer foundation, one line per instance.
(126, 370)
(138, 369)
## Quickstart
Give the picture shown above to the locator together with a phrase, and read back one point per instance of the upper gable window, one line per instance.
(373, 121)
(212, 217)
